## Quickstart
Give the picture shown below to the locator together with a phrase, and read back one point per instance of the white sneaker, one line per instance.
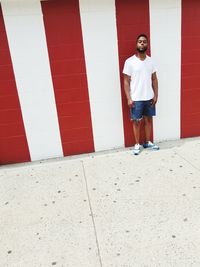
(150, 145)
(137, 149)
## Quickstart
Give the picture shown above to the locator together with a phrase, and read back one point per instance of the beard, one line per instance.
(142, 49)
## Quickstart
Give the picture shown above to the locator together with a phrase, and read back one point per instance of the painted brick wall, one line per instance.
(66, 54)
(190, 78)
(13, 143)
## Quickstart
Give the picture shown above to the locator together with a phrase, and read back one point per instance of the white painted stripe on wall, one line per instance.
(27, 42)
(165, 28)
(102, 65)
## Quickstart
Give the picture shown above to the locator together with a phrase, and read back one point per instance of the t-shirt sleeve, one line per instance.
(126, 69)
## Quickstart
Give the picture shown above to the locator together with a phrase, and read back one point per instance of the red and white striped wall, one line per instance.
(61, 84)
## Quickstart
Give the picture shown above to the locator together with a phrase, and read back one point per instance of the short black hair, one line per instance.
(142, 35)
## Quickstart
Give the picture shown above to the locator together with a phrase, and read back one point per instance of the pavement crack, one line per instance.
(92, 215)
(195, 167)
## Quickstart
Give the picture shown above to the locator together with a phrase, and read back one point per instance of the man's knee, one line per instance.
(148, 119)
(137, 122)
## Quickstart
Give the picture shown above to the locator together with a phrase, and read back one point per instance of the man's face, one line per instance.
(142, 45)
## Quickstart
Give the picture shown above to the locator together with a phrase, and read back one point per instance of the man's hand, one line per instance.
(130, 103)
(154, 100)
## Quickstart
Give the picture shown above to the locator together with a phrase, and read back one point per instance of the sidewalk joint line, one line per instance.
(92, 215)
(187, 161)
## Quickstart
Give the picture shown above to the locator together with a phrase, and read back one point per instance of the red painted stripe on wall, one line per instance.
(190, 69)
(13, 142)
(132, 19)
(65, 47)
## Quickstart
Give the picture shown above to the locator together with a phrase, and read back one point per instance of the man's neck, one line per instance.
(141, 56)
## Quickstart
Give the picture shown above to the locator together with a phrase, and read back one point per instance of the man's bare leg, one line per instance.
(147, 126)
(136, 130)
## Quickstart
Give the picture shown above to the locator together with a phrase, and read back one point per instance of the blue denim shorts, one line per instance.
(142, 108)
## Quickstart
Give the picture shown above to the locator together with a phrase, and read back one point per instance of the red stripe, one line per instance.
(65, 47)
(190, 69)
(13, 142)
(132, 20)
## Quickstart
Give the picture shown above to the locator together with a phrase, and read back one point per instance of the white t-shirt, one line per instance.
(141, 77)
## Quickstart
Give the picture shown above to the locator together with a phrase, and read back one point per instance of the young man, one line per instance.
(141, 89)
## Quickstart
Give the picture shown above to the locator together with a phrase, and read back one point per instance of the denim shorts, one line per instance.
(142, 108)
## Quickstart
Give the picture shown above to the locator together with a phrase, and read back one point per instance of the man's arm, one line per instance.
(127, 80)
(155, 87)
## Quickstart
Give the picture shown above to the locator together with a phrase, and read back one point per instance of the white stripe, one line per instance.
(27, 42)
(165, 28)
(101, 53)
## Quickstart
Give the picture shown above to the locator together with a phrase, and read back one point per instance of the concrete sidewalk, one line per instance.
(104, 209)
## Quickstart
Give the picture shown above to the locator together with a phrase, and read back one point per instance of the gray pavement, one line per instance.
(104, 209)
